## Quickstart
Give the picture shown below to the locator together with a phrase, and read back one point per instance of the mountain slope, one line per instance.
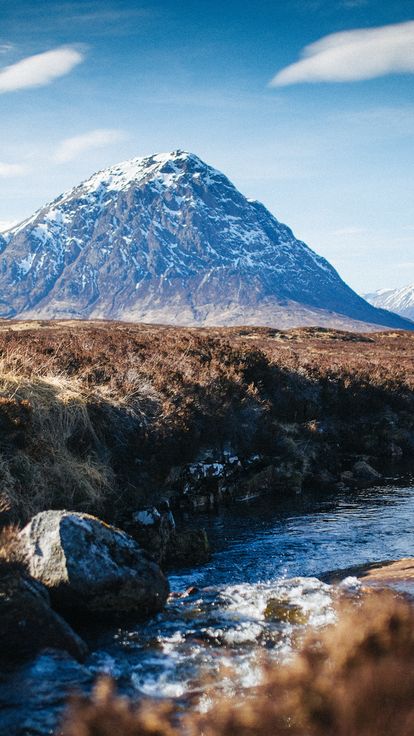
(169, 239)
(400, 301)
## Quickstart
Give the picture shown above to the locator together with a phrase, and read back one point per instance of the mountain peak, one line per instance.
(167, 168)
(168, 238)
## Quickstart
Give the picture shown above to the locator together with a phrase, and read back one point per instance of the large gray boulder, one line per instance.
(91, 567)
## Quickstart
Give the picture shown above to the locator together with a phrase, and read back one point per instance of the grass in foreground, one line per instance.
(355, 678)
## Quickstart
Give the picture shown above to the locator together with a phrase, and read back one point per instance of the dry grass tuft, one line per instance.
(107, 714)
(354, 679)
(12, 554)
(41, 467)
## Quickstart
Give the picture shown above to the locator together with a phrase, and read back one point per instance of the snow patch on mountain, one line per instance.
(399, 300)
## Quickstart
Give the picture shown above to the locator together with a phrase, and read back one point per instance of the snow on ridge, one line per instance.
(400, 300)
(26, 263)
(395, 296)
(121, 175)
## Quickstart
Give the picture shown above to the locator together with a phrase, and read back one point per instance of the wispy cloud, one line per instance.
(6, 47)
(353, 55)
(71, 148)
(40, 69)
(95, 18)
(8, 171)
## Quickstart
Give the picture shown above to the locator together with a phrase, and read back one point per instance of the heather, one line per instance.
(104, 417)
(354, 678)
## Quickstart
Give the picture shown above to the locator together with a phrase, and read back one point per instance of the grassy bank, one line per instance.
(106, 416)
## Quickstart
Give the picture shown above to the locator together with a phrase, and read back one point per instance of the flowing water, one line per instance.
(260, 590)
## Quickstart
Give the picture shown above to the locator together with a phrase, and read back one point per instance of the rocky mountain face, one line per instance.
(400, 301)
(169, 239)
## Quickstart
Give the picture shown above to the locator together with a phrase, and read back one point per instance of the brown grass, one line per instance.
(90, 412)
(13, 557)
(354, 679)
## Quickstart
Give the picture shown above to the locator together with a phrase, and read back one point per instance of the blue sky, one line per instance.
(85, 84)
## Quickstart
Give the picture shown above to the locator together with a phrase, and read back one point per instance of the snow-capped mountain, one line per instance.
(400, 300)
(167, 238)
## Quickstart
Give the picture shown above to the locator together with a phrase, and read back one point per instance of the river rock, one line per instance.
(188, 547)
(365, 472)
(152, 528)
(280, 609)
(28, 624)
(91, 567)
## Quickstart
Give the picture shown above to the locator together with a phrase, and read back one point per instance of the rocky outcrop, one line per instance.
(395, 574)
(92, 568)
(223, 478)
(188, 547)
(365, 472)
(398, 575)
(27, 622)
(362, 474)
(155, 530)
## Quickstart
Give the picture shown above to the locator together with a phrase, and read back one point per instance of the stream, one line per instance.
(261, 588)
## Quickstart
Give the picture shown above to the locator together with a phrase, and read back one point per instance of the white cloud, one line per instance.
(71, 148)
(353, 55)
(38, 70)
(9, 170)
(6, 47)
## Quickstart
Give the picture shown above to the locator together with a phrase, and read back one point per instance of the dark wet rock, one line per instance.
(394, 451)
(189, 547)
(34, 695)
(93, 568)
(254, 485)
(28, 624)
(362, 471)
(289, 477)
(153, 528)
(204, 485)
(322, 479)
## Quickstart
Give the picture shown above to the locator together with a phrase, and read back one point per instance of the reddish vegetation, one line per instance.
(353, 679)
(97, 410)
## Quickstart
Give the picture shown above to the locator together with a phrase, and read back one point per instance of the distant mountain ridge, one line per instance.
(399, 300)
(167, 238)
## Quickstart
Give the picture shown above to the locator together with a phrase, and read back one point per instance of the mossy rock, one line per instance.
(279, 609)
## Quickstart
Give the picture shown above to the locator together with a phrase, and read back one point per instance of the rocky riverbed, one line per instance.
(262, 587)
